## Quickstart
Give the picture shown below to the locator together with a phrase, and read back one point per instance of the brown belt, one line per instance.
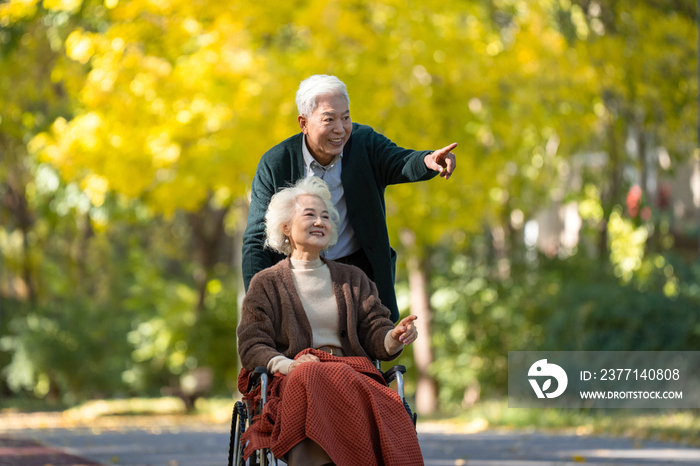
(332, 350)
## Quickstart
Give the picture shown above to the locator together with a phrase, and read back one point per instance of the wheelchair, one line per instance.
(243, 413)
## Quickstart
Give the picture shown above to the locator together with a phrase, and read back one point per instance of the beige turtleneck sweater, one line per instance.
(315, 288)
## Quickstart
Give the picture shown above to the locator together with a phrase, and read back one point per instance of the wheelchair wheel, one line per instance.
(412, 415)
(238, 423)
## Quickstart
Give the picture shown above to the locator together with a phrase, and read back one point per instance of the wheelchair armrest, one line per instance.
(254, 378)
(390, 375)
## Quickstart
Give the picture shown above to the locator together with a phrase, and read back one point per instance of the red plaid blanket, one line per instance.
(343, 405)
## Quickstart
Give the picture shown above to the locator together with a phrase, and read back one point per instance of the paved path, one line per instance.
(208, 446)
(21, 452)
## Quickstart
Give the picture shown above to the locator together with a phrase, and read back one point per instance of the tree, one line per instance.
(165, 108)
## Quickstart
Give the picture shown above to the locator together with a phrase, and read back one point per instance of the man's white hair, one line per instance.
(283, 205)
(317, 85)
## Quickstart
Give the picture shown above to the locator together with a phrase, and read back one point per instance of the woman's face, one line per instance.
(310, 228)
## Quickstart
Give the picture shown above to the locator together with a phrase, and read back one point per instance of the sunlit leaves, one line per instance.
(167, 108)
(62, 5)
(155, 106)
(16, 10)
(79, 46)
(626, 245)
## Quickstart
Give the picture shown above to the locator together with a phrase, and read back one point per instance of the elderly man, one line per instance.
(358, 164)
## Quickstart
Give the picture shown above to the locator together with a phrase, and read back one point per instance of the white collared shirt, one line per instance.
(347, 243)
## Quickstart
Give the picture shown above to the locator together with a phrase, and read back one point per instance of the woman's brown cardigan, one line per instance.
(273, 320)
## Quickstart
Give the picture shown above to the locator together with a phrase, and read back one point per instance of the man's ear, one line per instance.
(302, 123)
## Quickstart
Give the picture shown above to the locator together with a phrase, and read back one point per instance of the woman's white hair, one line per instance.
(317, 85)
(283, 205)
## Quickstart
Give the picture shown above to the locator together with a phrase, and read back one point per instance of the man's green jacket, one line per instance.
(370, 163)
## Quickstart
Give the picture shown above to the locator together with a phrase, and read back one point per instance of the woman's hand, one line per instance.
(303, 359)
(405, 331)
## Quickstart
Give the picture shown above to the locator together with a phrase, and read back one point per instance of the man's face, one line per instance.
(328, 128)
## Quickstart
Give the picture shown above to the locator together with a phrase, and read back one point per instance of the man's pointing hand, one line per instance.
(442, 160)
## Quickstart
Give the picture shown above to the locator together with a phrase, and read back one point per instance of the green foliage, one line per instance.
(114, 310)
(130, 131)
(576, 304)
(608, 316)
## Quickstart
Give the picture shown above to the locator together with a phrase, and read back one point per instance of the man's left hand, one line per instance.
(442, 160)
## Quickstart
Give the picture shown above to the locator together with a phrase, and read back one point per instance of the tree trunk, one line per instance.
(642, 152)
(15, 201)
(207, 233)
(498, 243)
(426, 388)
(612, 194)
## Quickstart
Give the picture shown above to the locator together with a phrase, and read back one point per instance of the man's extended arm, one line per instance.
(399, 165)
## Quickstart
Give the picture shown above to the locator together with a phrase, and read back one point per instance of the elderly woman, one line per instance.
(314, 324)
